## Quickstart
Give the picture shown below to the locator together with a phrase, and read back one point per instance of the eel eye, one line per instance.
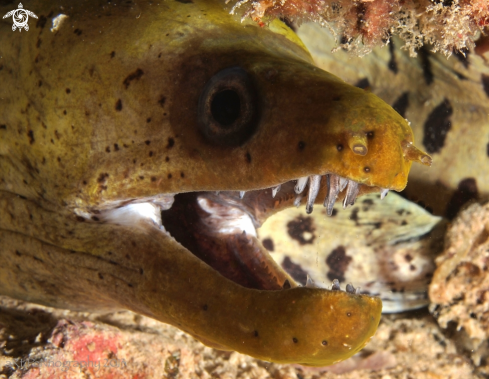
(227, 109)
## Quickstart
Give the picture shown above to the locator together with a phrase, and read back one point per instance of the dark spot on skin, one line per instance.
(162, 100)
(153, 178)
(182, 175)
(268, 244)
(38, 259)
(167, 159)
(116, 147)
(437, 126)
(147, 142)
(30, 134)
(370, 135)
(412, 267)
(368, 202)
(17, 253)
(112, 54)
(404, 222)
(113, 262)
(78, 32)
(68, 91)
(299, 226)
(118, 105)
(295, 340)
(170, 144)
(324, 343)
(294, 270)
(354, 214)
(148, 120)
(408, 257)
(301, 145)
(339, 147)
(185, 1)
(141, 177)
(337, 98)
(150, 153)
(141, 271)
(392, 65)
(366, 169)
(41, 22)
(401, 104)
(136, 75)
(169, 176)
(159, 55)
(334, 213)
(466, 191)
(102, 178)
(205, 307)
(424, 56)
(255, 333)
(338, 262)
(100, 276)
(130, 285)
(107, 149)
(248, 157)
(485, 83)
(39, 83)
(363, 83)
(487, 146)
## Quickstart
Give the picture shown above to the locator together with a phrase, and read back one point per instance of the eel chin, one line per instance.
(220, 227)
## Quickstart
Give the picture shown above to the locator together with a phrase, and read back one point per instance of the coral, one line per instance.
(459, 291)
(447, 25)
(33, 339)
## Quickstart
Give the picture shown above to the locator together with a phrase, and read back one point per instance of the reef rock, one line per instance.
(459, 291)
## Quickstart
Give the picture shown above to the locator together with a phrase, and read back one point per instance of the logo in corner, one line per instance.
(20, 17)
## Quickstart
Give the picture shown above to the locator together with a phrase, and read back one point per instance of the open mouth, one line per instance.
(220, 228)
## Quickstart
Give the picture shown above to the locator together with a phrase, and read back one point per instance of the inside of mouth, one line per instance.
(220, 227)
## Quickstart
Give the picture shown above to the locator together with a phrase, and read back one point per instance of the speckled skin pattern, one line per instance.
(104, 111)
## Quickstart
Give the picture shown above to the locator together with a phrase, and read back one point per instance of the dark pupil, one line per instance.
(225, 107)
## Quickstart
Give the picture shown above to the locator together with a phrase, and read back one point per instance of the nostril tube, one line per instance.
(358, 144)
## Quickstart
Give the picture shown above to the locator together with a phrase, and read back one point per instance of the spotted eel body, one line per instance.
(109, 116)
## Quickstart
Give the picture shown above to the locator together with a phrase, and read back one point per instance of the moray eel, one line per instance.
(118, 124)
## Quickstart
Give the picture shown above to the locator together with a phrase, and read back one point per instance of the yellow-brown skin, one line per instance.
(105, 110)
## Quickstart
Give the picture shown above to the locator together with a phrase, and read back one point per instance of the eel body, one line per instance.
(118, 122)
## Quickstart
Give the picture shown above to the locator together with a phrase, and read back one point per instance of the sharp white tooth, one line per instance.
(301, 184)
(310, 283)
(351, 193)
(343, 183)
(358, 291)
(333, 191)
(383, 193)
(297, 201)
(275, 190)
(336, 285)
(313, 192)
(241, 194)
